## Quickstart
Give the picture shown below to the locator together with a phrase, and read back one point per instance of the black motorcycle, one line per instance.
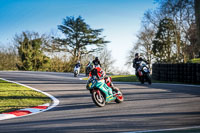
(143, 73)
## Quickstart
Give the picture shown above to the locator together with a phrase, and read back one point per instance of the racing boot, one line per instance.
(115, 90)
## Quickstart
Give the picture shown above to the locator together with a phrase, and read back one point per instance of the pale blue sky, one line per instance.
(120, 19)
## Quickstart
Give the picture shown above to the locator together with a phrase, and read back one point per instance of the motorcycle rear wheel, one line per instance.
(75, 73)
(98, 98)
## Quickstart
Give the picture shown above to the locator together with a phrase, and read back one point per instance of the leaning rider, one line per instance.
(100, 74)
(77, 65)
(136, 63)
(96, 62)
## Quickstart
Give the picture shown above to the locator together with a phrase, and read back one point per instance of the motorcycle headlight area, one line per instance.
(145, 69)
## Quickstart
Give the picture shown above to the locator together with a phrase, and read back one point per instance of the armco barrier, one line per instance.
(186, 73)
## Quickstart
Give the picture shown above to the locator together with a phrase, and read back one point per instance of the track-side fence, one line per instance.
(186, 73)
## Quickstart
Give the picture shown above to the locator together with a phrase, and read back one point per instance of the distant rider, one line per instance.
(96, 62)
(87, 68)
(77, 65)
(136, 63)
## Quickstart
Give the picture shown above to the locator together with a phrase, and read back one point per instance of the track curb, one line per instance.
(31, 110)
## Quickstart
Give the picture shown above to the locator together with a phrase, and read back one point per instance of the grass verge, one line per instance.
(122, 78)
(14, 96)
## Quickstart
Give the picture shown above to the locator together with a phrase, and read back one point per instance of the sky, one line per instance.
(120, 19)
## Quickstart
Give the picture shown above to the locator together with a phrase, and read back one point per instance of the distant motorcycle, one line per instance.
(101, 93)
(76, 70)
(144, 73)
(87, 69)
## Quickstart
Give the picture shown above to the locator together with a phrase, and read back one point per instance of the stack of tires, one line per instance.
(156, 71)
(185, 79)
(170, 72)
(198, 73)
(176, 72)
(186, 73)
(181, 72)
(194, 73)
(163, 72)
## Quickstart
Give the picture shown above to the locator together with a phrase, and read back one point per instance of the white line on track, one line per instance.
(55, 100)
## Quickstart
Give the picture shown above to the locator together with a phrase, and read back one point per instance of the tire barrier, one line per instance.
(185, 73)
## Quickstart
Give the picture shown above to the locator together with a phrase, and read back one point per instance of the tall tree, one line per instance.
(182, 13)
(143, 45)
(164, 42)
(30, 52)
(192, 36)
(79, 35)
(197, 15)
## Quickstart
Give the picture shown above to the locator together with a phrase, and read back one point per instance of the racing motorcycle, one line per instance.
(101, 93)
(144, 73)
(76, 70)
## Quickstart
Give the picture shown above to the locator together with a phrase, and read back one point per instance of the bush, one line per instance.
(195, 60)
(8, 58)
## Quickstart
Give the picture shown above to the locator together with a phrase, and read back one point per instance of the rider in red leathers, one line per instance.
(100, 74)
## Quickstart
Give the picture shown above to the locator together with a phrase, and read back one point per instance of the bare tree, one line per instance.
(182, 13)
(145, 39)
(143, 45)
(106, 60)
(131, 55)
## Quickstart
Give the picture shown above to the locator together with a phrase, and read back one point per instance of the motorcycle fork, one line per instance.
(140, 73)
(98, 92)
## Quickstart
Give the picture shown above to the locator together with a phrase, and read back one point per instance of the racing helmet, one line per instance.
(137, 55)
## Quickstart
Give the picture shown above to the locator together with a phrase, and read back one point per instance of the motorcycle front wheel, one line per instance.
(98, 98)
(149, 79)
(142, 80)
(119, 98)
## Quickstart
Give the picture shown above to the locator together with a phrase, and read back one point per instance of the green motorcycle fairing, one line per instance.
(104, 88)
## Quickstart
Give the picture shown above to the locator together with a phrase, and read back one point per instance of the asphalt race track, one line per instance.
(146, 107)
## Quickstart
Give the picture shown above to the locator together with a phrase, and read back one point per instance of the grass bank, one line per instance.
(122, 78)
(14, 96)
